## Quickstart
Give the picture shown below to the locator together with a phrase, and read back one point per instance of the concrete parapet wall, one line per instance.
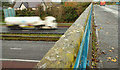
(64, 52)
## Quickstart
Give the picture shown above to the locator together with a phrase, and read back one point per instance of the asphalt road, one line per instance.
(106, 19)
(25, 50)
(4, 29)
(115, 7)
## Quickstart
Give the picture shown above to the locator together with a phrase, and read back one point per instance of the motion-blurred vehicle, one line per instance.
(102, 3)
(31, 22)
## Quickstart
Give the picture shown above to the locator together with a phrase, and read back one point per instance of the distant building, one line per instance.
(32, 5)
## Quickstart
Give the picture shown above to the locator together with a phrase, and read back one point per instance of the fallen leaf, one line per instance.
(101, 27)
(107, 32)
(109, 58)
(103, 52)
(93, 59)
(95, 25)
(107, 22)
(97, 44)
(97, 60)
(101, 61)
(99, 54)
(110, 50)
(98, 29)
(92, 64)
(114, 60)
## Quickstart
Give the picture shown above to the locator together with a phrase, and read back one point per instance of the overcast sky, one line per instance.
(56, 0)
(102, 0)
(108, 0)
(73, 0)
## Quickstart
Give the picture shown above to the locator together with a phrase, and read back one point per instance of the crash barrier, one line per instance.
(64, 53)
(9, 12)
(81, 60)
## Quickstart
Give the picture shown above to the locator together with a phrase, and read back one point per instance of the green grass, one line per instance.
(94, 50)
(29, 38)
(65, 24)
(94, 45)
(51, 35)
(2, 23)
(39, 37)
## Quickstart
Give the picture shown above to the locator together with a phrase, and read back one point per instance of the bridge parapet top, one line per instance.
(64, 52)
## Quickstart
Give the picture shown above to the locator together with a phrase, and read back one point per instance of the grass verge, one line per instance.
(94, 45)
(30, 37)
(14, 34)
(65, 24)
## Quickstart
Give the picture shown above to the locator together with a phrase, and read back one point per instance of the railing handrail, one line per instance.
(81, 59)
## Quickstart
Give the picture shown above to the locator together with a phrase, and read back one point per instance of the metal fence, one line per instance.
(9, 12)
(81, 60)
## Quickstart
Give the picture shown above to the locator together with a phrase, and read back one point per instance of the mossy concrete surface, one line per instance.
(64, 52)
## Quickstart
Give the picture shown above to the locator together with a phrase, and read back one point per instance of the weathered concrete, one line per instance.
(64, 52)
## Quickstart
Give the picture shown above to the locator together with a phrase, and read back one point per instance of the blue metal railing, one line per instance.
(81, 60)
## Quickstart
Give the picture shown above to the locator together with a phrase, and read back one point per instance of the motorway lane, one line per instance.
(23, 54)
(4, 29)
(25, 50)
(107, 22)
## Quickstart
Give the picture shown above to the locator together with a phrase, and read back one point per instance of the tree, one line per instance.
(5, 4)
(71, 14)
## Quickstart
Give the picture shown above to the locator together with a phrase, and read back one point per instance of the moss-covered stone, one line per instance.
(64, 52)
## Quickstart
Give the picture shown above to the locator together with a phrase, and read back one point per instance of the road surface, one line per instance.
(4, 29)
(30, 50)
(106, 19)
(23, 54)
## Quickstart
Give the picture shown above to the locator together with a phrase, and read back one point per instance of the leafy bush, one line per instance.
(2, 15)
(71, 14)
(62, 13)
(25, 13)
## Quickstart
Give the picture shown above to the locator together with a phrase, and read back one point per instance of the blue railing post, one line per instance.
(81, 60)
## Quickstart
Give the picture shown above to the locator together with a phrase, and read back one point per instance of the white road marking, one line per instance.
(97, 32)
(20, 60)
(15, 48)
(110, 10)
(95, 22)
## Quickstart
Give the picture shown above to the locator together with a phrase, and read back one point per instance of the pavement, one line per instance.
(107, 32)
(23, 54)
(4, 29)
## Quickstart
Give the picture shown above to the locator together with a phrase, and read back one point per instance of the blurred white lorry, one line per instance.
(31, 22)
